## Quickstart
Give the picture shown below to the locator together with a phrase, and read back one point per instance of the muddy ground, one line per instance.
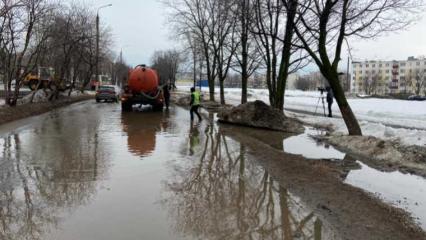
(353, 212)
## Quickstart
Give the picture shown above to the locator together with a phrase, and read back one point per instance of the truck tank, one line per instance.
(142, 88)
(143, 79)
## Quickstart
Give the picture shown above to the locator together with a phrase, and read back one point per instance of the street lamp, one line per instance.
(97, 39)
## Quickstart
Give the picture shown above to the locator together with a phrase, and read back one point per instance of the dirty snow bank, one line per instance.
(43, 95)
(386, 155)
(379, 130)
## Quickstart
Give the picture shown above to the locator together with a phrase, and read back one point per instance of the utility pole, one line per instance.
(97, 40)
(348, 80)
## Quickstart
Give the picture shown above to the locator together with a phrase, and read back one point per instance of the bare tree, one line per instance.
(247, 56)
(224, 41)
(24, 34)
(274, 31)
(420, 83)
(328, 22)
(195, 17)
(303, 83)
(371, 83)
(167, 65)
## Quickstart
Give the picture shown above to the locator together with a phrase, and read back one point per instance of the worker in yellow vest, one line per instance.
(195, 104)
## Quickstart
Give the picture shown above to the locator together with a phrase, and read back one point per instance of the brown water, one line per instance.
(90, 172)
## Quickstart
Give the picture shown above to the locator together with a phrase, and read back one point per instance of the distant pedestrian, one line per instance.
(166, 93)
(195, 104)
(330, 100)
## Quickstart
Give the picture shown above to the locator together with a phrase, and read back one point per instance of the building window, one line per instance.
(403, 64)
(367, 65)
(418, 63)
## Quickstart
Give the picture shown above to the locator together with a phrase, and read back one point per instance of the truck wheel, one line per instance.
(126, 106)
(98, 101)
(33, 85)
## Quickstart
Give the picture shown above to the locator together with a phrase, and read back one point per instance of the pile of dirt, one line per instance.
(259, 115)
(9, 114)
(386, 155)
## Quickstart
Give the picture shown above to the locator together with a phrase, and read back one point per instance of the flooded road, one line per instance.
(90, 172)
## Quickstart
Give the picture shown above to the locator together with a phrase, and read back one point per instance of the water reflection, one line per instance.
(402, 190)
(141, 131)
(45, 171)
(309, 148)
(222, 194)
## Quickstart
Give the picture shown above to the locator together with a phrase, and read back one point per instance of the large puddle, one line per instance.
(90, 172)
(306, 146)
(405, 191)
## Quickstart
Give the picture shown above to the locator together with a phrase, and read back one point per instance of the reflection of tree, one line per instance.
(225, 195)
(42, 175)
(194, 139)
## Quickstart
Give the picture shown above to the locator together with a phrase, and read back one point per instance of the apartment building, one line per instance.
(389, 77)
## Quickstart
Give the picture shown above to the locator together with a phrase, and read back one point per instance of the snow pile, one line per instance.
(74, 93)
(39, 96)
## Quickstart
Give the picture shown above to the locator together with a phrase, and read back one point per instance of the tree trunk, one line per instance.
(351, 122)
(222, 91)
(285, 55)
(244, 70)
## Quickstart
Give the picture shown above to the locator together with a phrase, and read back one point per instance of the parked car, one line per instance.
(417, 98)
(108, 93)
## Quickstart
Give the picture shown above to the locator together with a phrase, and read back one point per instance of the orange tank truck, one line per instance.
(143, 87)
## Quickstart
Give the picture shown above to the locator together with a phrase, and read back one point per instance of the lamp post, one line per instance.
(97, 39)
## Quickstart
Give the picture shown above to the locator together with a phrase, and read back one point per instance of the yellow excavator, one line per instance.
(39, 78)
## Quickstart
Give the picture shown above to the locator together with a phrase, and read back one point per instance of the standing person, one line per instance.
(330, 100)
(166, 93)
(195, 104)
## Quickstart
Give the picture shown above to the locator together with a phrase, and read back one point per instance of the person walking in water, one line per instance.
(195, 104)
(330, 100)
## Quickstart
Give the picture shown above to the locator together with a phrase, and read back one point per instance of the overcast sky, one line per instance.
(140, 28)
